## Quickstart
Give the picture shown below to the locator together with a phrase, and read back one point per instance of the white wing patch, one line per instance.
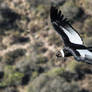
(85, 53)
(72, 35)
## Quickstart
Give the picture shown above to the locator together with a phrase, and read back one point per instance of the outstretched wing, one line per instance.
(87, 59)
(62, 26)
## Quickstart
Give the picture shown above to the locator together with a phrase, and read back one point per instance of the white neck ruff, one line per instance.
(62, 52)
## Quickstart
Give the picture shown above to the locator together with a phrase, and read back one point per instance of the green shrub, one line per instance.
(11, 77)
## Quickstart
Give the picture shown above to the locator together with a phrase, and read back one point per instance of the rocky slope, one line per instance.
(28, 46)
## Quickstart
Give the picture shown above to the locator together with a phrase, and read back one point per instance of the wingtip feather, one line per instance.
(56, 15)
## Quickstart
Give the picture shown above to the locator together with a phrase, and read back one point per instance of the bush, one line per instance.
(11, 56)
(46, 83)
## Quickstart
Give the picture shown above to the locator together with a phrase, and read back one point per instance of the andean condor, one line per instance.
(74, 45)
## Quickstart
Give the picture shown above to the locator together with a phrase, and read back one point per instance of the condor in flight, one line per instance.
(74, 45)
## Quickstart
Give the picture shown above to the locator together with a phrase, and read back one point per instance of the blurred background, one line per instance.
(28, 46)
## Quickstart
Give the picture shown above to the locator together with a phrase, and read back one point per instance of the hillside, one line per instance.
(28, 46)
